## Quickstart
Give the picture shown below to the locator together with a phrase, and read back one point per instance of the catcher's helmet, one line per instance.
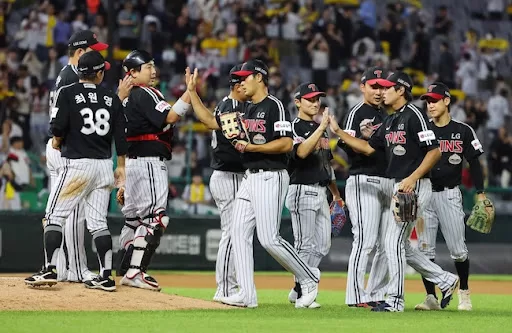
(135, 59)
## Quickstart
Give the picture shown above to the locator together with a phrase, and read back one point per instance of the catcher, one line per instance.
(457, 141)
(310, 173)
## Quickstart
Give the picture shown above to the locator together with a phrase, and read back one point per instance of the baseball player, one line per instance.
(411, 149)
(368, 200)
(225, 180)
(457, 140)
(149, 132)
(84, 120)
(260, 199)
(310, 173)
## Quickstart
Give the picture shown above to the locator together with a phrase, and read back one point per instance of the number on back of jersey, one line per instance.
(95, 122)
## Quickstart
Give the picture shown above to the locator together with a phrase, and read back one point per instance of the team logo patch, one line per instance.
(476, 144)
(259, 139)
(426, 136)
(372, 180)
(282, 126)
(399, 151)
(162, 106)
(454, 159)
(311, 193)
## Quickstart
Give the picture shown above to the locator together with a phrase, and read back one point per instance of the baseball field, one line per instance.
(184, 306)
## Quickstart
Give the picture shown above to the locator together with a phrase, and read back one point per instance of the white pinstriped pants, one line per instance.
(224, 185)
(259, 204)
(445, 211)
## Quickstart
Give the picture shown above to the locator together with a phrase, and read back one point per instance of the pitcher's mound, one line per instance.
(16, 295)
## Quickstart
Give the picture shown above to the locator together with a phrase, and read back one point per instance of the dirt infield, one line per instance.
(15, 295)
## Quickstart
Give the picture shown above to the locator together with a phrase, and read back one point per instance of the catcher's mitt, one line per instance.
(405, 206)
(338, 216)
(482, 216)
(234, 130)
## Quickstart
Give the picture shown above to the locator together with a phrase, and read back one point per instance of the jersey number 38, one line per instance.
(96, 122)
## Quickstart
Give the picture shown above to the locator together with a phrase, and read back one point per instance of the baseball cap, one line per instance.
(84, 39)
(233, 78)
(397, 78)
(373, 75)
(307, 90)
(253, 66)
(92, 62)
(437, 91)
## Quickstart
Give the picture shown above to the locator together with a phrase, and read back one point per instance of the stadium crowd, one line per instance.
(327, 43)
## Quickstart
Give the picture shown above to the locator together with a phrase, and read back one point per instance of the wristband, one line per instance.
(181, 107)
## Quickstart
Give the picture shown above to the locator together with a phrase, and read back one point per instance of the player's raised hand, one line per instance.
(333, 124)
(325, 119)
(191, 79)
(125, 86)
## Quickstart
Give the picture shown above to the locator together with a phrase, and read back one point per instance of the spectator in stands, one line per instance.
(446, 66)
(319, 52)
(466, 75)
(196, 193)
(498, 109)
(442, 23)
(39, 117)
(392, 34)
(368, 16)
(129, 25)
(100, 28)
(51, 69)
(18, 173)
(33, 65)
(456, 110)
(420, 53)
(79, 23)
(62, 31)
(495, 9)
(500, 158)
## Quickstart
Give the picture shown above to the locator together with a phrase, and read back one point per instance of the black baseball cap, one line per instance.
(373, 75)
(84, 39)
(307, 90)
(233, 78)
(92, 62)
(253, 66)
(437, 91)
(397, 79)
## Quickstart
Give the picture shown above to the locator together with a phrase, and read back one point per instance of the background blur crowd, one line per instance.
(462, 43)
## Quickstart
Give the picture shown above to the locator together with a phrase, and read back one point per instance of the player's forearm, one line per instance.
(430, 159)
(121, 161)
(305, 148)
(477, 175)
(202, 113)
(359, 145)
(333, 187)
(279, 146)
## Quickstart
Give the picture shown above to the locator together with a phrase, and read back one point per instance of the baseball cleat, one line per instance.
(313, 305)
(46, 276)
(361, 305)
(464, 300)
(448, 294)
(237, 300)
(430, 303)
(141, 280)
(385, 307)
(309, 292)
(293, 295)
(107, 284)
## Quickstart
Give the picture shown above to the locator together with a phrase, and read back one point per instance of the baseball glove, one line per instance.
(233, 128)
(482, 216)
(405, 206)
(338, 216)
(120, 196)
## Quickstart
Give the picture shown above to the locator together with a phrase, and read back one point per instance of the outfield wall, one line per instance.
(191, 243)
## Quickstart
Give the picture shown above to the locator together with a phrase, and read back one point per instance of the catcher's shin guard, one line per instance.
(146, 241)
(125, 256)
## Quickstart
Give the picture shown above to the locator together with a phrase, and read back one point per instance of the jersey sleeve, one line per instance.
(119, 127)
(65, 78)
(352, 122)
(155, 109)
(279, 117)
(378, 139)
(472, 146)
(59, 113)
(420, 129)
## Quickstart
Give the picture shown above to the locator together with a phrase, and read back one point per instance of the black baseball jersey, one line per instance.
(316, 167)
(375, 164)
(266, 121)
(68, 75)
(457, 140)
(148, 133)
(406, 136)
(88, 117)
(224, 156)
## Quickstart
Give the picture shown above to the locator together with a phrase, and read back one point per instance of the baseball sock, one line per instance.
(52, 242)
(430, 287)
(103, 242)
(463, 272)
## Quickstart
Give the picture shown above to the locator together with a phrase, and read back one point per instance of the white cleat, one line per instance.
(141, 280)
(314, 305)
(464, 300)
(430, 303)
(292, 296)
(237, 300)
(309, 291)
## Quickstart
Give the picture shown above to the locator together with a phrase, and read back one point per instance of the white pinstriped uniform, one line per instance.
(398, 247)
(259, 204)
(368, 200)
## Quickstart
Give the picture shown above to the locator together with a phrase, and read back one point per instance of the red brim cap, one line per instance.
(432, 95)
(384, 82)
(242, 73)
(107, 65)
(314, 94)
(99, 46)
(373, 82)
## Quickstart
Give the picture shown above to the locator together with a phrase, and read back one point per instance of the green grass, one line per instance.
(492, 313)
